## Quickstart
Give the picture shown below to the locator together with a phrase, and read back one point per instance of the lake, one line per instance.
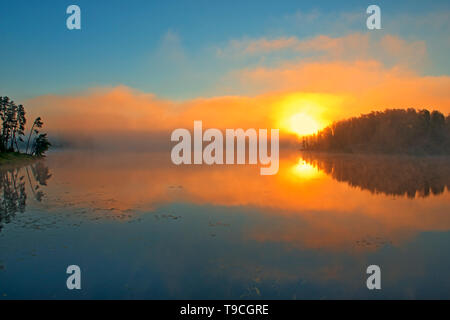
(140, 227)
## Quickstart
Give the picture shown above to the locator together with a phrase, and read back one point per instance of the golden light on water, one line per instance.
(304, 170)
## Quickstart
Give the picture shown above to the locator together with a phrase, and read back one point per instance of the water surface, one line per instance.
(140, 227)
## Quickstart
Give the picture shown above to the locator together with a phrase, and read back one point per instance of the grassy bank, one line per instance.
(15, 158)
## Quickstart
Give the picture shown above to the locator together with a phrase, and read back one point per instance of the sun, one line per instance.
(302, 114)
(303, 124)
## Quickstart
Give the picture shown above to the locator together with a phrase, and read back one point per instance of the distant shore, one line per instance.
(393, 131)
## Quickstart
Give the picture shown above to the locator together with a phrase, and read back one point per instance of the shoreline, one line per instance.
(14, 158)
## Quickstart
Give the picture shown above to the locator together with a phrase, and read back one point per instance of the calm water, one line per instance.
(140, 227)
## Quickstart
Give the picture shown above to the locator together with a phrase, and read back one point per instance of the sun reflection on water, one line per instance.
(304, 170)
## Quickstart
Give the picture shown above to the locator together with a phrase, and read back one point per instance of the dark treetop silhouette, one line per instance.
(13, 130)
(391, 131)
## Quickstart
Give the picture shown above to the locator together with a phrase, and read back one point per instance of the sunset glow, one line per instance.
(225, 151)
(304, 114)
(304, 170)
(303, 124)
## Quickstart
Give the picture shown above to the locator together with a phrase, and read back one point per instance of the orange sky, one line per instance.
(343, 81)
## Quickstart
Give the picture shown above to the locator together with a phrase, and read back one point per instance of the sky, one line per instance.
(283, 61)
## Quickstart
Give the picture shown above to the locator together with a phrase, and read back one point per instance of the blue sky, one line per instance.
(170, 47)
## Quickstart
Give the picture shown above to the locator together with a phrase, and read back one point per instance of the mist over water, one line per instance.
(140, 227)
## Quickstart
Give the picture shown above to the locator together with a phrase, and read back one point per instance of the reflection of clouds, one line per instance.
(314, 212)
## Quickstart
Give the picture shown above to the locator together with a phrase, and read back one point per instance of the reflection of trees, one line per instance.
(391, 175)
(41, 174)
(12, 188)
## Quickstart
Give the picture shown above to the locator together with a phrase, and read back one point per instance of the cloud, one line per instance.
(389, 49)
(327, 22)
(257, 46)
(347, 80)
(430, 23)
(170, 49)
(325, 91)
(364, 85)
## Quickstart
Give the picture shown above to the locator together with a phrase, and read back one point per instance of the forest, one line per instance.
(393, 131)
(13, 138)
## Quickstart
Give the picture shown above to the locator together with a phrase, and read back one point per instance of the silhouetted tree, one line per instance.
(36, 124)
(21, 121)
(13, 122)
(41, 145)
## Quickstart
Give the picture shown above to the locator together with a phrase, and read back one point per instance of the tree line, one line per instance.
(391, 131)
(12, 135)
